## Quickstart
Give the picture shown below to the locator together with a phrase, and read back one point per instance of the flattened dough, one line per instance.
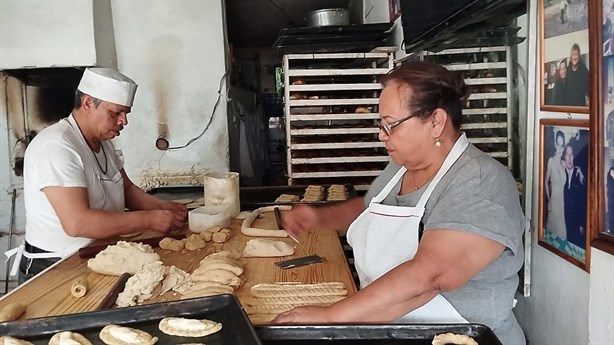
(66, 336)
(183, 327)
(119, 335)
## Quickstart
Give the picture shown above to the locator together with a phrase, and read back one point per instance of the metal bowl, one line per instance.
(328, 17)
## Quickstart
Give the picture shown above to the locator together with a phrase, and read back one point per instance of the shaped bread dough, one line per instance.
(188, 327)
(247, 230)
(121, 258)
(208, 291)
(266, 248)
(6, 340)
(218, 264)
(119, 335)
(69, 338)
(217, 275)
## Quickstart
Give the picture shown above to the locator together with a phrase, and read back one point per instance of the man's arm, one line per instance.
(71, 204)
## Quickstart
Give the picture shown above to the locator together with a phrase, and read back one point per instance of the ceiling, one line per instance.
(256, 23)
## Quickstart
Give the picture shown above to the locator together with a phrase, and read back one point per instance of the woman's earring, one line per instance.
(437, 142)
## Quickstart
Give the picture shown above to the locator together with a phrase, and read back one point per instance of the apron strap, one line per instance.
(393, 181)
(457, 150)
(20, 252)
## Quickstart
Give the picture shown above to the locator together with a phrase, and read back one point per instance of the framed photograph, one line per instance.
(564, 56)
(394, 8)
(563, 191)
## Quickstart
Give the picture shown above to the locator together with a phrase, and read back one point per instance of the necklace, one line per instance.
(106, 160)
(413, 181)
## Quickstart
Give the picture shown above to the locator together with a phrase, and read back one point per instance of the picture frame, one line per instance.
(394, 9)
(564, 56)
(563, 190)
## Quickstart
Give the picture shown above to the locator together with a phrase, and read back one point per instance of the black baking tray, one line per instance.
(397, 334)
(250, 197)
(236, 327)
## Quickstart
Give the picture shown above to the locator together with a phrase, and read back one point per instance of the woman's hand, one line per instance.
(299, 219)
(304, 315)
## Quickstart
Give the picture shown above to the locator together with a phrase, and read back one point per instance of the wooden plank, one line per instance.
(468, 50)
(488, 95)
(337, 145)
(486, 81)
(339, 116)
(474, 66)
(349, 159)
(334, 131)
(336, 72)
(336, 56)
(332, 101)
(336, 87)
(323, 174)
(484, 125)
(484, 111)
(49, 293)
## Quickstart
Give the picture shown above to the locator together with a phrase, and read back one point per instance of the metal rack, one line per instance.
(488, 118)
(331, 108)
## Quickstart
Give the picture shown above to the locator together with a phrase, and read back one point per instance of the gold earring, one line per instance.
(437, 142)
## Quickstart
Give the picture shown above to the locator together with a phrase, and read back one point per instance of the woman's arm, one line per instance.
(446, 260)
(336, 217)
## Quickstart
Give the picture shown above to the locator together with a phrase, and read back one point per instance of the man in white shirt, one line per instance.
(75, 187)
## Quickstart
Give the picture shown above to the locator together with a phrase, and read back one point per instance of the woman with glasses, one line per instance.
(438, 236)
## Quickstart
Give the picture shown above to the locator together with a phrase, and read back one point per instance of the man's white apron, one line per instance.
(383, 237)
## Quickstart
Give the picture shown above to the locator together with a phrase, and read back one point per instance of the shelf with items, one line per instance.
(488, 113)
(331, 108)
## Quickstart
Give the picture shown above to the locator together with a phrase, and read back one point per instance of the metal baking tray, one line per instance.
(397, 334)
(250, 197)
(236, 327)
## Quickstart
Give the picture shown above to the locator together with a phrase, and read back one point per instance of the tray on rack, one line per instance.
(407, 334)
(236, 328)
(250, 197)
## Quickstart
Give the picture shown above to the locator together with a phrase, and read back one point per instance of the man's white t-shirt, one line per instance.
(59, 156)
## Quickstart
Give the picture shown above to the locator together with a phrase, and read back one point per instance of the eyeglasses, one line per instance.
(387, 128)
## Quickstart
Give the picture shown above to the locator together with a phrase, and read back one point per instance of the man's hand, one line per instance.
(180, 210)
(165, 221)
(299, 219)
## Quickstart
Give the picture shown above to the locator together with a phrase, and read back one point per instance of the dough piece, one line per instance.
(217, 275)
(200, 201)
(193, 205)
(452, 338)
(206, 235)
(247, 230)
(361, 109)
(208, 291)
(214, 265)
(177, 280)
(183, 327)
(119, 335)
(298, 290)
(233, 254)
(209, 284)
(287, 198)
(140, 286)
(183, 201)
(195, 242)
(267, 248)
(214, 229)
(243, 214)
(220, 237)
(69, 338)
(6, 340)
(121, 258)
(170, 243)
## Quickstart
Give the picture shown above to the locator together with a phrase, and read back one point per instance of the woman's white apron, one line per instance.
(383, 237)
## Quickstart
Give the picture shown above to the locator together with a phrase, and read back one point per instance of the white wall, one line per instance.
(567, 305)
(174, 50)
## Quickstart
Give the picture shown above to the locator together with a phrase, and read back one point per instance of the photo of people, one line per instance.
(565, 54)
(608, 100)
(607, 12)
(609, 190)
(563, 205)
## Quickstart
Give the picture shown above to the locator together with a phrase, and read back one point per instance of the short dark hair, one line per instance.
(79, 95)
(559, 134)
(576, 46)
(430, 86)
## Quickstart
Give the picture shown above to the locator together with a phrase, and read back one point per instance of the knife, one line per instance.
(298, 262)
(277, 213)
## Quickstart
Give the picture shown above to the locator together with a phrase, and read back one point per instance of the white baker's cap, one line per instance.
(108, 85)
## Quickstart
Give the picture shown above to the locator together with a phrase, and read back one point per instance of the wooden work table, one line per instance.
(49, 293)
